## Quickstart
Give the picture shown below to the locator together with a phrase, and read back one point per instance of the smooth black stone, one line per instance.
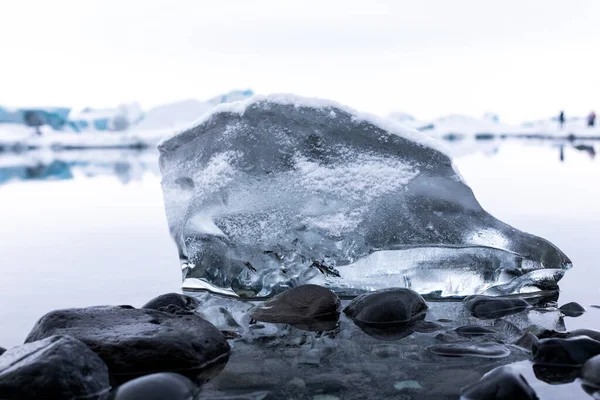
(474, 330)
(307, 307)
(527, 341)
(556, 375)
(173, 303)
(387, 307)
(500, 384)
(489, 307)
(160, 386)
(591, 390)
(58, 367)
(470, 349)
(136, 342)
(2, 350)
(565, 352)
(590, 372)
(572, 309)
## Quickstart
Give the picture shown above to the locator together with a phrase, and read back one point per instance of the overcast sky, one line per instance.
(519, 58)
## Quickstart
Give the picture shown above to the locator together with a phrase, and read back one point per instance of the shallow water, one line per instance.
(87, 228)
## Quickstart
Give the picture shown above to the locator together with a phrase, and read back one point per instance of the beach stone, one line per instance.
(309, 307)
(526, 341)
(590, 372)
(572, 309)
(500, 384)
(160, 386)
(490, 307)
(474, 330)
(573, 351)
(136, 342)
(388, 306)
(469, 349)
(172, 302)
(2, 350)
(57, 367)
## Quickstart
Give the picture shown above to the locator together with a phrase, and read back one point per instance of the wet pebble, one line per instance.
(160, 386)
(57, 367)
(172, 302)
(490, 307)
(556, 374)
(474, 330)
(573, 351)
(526, 341)
(572, 309)
(308, 307)
(134, 342)
(482, 350)
(590, 372)
(387, 306)
(2, 350)
(500, 384)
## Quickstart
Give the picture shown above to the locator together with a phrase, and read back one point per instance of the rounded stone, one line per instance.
(481, 350)
(565, 352)
(136, 342)
(572, 309)
(387, 307)
(474, 330)
(309, 307)
(490, 307)
(160, 386)
(500, 384)
(57, 367)
(172, 301)
(590, 372)
(2, 350)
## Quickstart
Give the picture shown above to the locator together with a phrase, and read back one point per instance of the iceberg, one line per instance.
(277, 191)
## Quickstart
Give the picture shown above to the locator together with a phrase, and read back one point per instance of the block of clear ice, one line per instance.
(277, 191)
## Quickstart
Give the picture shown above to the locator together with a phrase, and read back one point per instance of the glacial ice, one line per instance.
(278, 191)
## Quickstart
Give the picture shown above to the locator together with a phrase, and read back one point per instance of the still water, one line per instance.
(89, 228)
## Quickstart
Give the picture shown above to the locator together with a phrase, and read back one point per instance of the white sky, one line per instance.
(519, 58)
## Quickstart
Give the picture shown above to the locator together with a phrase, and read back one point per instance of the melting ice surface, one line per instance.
(277, 191)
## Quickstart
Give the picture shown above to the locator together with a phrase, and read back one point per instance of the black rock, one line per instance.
(2, 350)
(590, 372)
(526, 341)
(308, 307)
(500, 384)
(469, 349)
(585, 332)
(390, 314)
(135, 342)
(490, 307)
(572, 309)
(160, 386)
(474, 330)
(58, 367)
(173, 303)
(556, 375)
(565, 352)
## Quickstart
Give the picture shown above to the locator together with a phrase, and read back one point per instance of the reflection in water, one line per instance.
(126, 165)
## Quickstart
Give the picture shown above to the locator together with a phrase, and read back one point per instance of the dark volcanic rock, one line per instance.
(590, 372)
(526, 341)
(474, 330)
(572, 309)
(58, 367)
(308, 307)
(2, 350)
(135, 342)
(489, 307)
(390, 313)
(468, 349)
(500, 384)
(565, 352)
(161, 386)
(556, 375)
(172, 302)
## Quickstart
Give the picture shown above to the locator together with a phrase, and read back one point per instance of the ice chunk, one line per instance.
(278, 191)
